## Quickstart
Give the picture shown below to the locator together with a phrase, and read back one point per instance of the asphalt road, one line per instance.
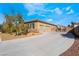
(48, 44)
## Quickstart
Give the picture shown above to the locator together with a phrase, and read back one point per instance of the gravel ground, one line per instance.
(74, 50)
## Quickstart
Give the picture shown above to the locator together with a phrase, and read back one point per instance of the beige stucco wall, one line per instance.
(39, 25)
(36, 25)
(49, 29)
(54, 28)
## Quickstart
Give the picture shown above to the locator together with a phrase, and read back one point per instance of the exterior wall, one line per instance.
(68, 29)
(54, 28)
(42, 27)
(36, 26)
(63, 29)
(76, 29)
(30, 26)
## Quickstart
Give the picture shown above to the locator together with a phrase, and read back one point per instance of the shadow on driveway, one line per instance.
(69, 34)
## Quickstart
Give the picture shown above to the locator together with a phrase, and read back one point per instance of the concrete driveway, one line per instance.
(48, 44)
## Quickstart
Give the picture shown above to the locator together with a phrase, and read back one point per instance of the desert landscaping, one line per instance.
(39, 30)
(28, 29)
(73, 50)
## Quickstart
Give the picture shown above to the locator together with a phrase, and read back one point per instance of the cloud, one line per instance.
(30, 8)
(70, 12)
(33, 8)
(37, 8)
(48, 13)
(49, 20)
(68, 8)
(2, 18)
(66, 21)
(58, 11)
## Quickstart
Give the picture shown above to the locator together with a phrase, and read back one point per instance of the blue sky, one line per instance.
(56, 13)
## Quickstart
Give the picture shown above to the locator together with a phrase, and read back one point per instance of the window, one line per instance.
(33, 25)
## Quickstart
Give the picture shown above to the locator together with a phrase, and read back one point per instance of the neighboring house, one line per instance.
(76, 24)
(76, 28)
(61, 28)
(40, 26)
(69, 29)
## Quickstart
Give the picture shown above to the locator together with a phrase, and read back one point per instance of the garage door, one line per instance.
(43, 28)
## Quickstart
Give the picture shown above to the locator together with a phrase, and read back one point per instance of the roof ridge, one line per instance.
(41, 21)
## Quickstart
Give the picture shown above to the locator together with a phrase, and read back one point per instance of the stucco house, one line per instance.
(40, 26)
(76, 28)
(61, 28)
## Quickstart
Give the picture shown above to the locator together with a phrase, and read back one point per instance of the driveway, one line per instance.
(48, 44)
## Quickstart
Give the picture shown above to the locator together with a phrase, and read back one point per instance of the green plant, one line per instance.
(14, 24)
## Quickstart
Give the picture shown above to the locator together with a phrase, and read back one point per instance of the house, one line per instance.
(40, 26)
(76, 28)
(76, 24)
(61, 28)
(69, 29)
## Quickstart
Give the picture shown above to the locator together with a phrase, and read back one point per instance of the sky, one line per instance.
(55, 13)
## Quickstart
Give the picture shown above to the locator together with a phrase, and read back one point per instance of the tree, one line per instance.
(8, 25)
(72, 24)
(69, 26)
(20, 25)
(15, 24)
